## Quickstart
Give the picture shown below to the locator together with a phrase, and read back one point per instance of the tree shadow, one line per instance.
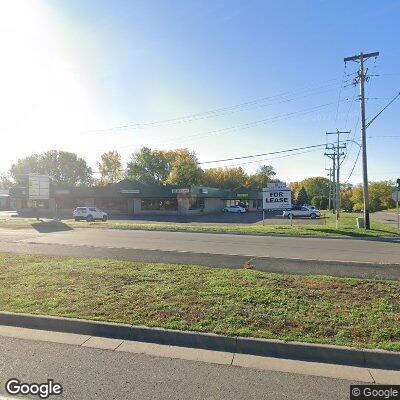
(50, 226)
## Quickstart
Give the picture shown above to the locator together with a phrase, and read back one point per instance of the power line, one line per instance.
(219, 111)
(265, 154)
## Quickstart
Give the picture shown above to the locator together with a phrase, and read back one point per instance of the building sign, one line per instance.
(130, 191)
(242, 195)
(177, 191)
(204, 190)
(39, 187)
(61, 191)
(276, 196)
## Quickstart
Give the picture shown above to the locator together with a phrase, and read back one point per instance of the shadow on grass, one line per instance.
(361, 234)
(50, 226)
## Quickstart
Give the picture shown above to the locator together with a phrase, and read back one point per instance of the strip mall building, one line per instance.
(129, 197)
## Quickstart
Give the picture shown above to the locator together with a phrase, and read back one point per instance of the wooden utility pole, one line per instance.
(360, 79)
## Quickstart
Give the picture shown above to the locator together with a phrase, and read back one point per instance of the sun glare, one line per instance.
(42, 99)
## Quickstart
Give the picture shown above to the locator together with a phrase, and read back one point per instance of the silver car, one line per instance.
(302, 211)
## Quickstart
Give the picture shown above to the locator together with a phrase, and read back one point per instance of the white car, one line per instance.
(234, 209)
(89, 214)
(303, 211)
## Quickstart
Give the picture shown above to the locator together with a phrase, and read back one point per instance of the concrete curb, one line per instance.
(379, 359)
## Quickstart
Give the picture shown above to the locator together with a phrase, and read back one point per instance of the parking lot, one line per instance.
(249, 218)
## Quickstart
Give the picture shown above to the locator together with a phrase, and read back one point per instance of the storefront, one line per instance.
(127, 197)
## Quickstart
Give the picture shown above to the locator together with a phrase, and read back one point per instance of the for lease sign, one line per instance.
(277, 199)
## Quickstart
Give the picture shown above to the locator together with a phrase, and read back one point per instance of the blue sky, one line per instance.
(77, 71)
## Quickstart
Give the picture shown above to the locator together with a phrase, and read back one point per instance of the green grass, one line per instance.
(347, 227)
(352, 312)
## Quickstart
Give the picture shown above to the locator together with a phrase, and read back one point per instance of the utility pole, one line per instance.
(338, 155)
(332, 156)
(330, 187)
(360, 79)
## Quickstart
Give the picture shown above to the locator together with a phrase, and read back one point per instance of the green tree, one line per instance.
(265, 174)
(346, 201)
(185, 169)
(302, 196)
(5, 181)
(110, 167)
(320, 202)
(380, 196)
(316, 186)
(150, 166)
(64, 168)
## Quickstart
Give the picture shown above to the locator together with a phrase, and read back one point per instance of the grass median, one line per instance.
(347, 227)
(352, 312)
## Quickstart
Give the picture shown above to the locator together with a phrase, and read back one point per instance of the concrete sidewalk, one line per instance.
(351, 373)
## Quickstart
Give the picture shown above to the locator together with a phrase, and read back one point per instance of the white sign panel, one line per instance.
(396, 196)
(39, 187)
(130, 191)
(180, 191)
(280, 199)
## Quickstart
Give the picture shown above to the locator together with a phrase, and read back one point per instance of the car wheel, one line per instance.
(313, 215)
(89, 218)
(290, 215)
(104, 218)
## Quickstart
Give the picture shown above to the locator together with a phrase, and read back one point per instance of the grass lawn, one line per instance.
(347, 228)
(352, 312)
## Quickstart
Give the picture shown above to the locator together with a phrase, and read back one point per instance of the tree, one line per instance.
(64, 168)
(346, 199)
(320, 202)
(185, 170)
(264, 175)
(357, 198)
(226, 178)
(5, 181)
(302, 196)
(380, 196)
(110, 167)
(150, 166)
(316, 186)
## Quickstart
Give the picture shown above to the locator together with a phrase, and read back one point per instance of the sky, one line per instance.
(221, 78)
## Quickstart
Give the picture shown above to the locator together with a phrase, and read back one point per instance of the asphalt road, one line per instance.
(352, 250)
(87, 373)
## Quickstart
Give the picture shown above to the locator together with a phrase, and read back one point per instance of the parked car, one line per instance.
(234, 209)
(302, 211)
(89, 214)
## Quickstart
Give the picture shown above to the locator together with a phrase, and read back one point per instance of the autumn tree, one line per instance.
(110, 167)
(64, 168)
(226, 178)
(185, 170)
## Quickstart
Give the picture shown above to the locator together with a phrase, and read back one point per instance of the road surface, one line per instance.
(353, 250)
(87, 373)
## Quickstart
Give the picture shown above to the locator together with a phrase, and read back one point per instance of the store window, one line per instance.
(196, 203)
(169, 204)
